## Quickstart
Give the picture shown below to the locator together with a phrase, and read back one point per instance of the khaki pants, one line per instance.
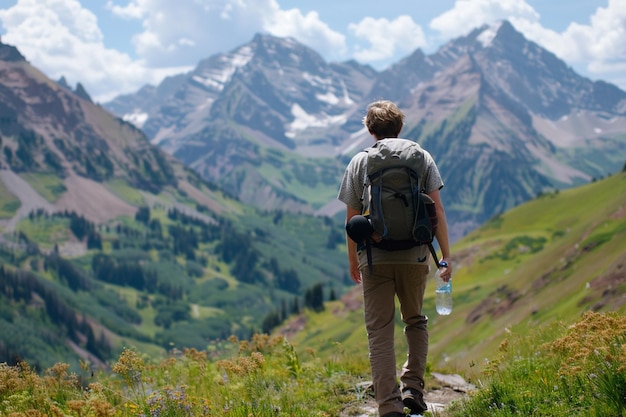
(408, 282)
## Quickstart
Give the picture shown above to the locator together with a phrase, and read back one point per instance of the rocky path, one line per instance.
(452, 387)
(449, 388)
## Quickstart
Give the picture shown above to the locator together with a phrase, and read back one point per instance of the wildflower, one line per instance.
(504, 346)
(76, 405)
(195, 355)
(129, 366)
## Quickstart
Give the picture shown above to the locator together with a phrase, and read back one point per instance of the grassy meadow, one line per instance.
(556, 370)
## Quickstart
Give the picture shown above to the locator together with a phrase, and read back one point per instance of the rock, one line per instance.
(455, 381)
(453, 387)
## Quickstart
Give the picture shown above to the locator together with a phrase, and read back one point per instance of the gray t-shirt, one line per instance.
(351, 193)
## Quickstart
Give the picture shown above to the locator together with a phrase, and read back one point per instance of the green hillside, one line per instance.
(176, 273)
(106, 241)
(162, 278)
(550, 259)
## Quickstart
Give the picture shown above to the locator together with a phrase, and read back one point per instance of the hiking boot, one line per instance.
(414, 401)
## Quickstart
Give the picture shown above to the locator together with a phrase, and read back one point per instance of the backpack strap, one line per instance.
(435, 257)
(368, 251)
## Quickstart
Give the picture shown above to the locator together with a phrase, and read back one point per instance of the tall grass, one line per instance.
(557, 371)
(264, 377)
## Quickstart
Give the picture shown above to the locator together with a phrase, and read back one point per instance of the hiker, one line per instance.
(393, 272)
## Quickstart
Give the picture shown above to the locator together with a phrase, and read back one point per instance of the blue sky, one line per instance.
(116, 46)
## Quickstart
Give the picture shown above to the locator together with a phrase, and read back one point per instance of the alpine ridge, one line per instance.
(505, 119)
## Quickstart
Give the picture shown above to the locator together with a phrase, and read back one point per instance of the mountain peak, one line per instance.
(63, 83)
(507, 34)
(10, 53)
(285, 51)
(501, 32)
(499, 35)
(488, 34)
(82, 92)
(267, 39)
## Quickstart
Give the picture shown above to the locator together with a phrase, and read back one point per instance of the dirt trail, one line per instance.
(449, 388)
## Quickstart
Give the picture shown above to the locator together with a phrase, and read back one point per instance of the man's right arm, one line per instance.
(353, 260)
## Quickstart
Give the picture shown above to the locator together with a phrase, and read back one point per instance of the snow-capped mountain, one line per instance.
(504, 118)
(275, 86)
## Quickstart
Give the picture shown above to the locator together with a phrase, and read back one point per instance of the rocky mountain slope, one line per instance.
(504, 118)
(47, 129)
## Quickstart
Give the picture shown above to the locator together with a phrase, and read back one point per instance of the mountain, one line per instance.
(262, 121)
(504, 118)
(508, 120)
(48, 129)
(277, 87)
(108, 241)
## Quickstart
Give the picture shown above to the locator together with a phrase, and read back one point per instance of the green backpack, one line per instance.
(394, 200)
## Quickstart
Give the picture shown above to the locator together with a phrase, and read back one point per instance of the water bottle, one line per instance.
(443, 292)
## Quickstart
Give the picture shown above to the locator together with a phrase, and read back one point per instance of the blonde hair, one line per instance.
(383, 119)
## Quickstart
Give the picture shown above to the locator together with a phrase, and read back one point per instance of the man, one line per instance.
(403, 273)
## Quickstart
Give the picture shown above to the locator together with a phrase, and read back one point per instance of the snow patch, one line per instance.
(137, 118)
(597, 130)
(332, 99)
(487, 35)
(346, 96)
(295, 58)
(303, 120)
(329, 98)
(317, 80)
(207, 103)
(232, 62)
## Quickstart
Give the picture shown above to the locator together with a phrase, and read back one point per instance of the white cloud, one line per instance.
(218, 26)
(133, 10)
(470, 14)
(186, 32)
(598, 46)
(56, 23)
(62, 38)
(387, 38)
(308, 29)
(601, 43)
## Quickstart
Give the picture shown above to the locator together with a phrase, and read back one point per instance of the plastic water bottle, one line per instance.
(443, 292)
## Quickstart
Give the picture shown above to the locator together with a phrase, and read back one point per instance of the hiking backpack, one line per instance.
(394, 201)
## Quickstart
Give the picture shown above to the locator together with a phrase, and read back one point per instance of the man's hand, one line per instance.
(446, 273)
(355, 273)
